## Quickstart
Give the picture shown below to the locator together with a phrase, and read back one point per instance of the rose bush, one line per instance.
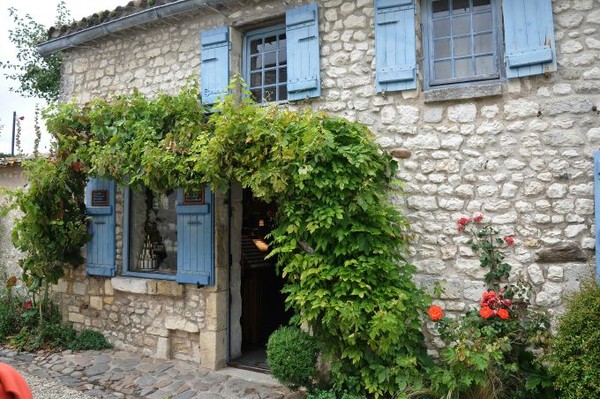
(491, 351)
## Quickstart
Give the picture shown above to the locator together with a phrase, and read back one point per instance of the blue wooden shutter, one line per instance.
(529, 37)
(100, 206)
(395, 45)
(597, 209)
(195, 243)
(303, 58)
(215, 64)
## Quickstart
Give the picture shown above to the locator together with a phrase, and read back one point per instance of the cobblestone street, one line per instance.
(119, 374)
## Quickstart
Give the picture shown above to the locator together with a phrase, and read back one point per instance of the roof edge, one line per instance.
(129, 21)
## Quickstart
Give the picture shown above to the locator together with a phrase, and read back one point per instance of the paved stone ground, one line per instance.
(118, 374)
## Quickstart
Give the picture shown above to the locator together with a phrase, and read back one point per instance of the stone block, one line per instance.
(108, 290)
(109, 300)
(215, 318)
(61, 286)
(96, 302)
(79, 288)
(536, 274)
(131, 285)
(462, 113)
(163, 348)
(180, 323)
(76, 318)
(169, 288)
(213, 349)
(555, 273)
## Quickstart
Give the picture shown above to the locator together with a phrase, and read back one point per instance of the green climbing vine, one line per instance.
(339, 241)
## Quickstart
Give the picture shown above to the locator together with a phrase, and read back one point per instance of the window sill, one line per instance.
(147, 286)
(462, 92)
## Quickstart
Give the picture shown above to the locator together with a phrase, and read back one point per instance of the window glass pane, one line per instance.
(484, 43)
(482, 22)
(481, 5)
(282, 75)
(270, 94)
(270, 43)
(257, 95)
(485, 65)
(441, 27)
(282, 92)
(153, 232)
(463, 68)
(255, 63)
(441, 49)
(442, 69)
(282, 41)
(461, 25)
(282, 57)
(254, 46)
(460, 6)
(270, 59)
(271, 77)
(256, 79)
(440, 7)
(462, 46)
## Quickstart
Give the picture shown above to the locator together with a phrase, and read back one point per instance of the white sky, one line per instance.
(44, 12)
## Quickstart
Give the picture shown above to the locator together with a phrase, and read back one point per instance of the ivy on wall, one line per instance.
(339, 241)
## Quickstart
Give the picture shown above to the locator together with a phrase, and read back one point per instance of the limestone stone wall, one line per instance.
(518, 151)
(11, 177)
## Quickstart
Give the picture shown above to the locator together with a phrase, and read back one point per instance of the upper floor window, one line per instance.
(461, 39)
(266, 64)
(280, 63)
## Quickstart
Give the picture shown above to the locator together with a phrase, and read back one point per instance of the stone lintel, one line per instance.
(179, 323)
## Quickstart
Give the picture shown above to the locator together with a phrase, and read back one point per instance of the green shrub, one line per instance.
(575, 350)
(331, 394)
(292, 357)
(89, 340)
(9, 316)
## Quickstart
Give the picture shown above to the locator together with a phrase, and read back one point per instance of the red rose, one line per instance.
(489, 295)
(461, 228)
(478, 219)
(503, 314)
(28, 304)
(435, 312)
(463, 221)
(486, 312)
(509, 240)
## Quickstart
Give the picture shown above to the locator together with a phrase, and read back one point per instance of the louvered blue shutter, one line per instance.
(529, 37)
(215, 64)
(100, 206)
(303, 59)
(395, 45)
(195, 244)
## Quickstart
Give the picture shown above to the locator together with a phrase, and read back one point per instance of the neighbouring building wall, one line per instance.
(522, 157)
(11, 177)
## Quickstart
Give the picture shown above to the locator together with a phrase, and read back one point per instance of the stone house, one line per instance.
(491, 107)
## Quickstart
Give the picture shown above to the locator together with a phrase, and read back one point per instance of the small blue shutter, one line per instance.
(215, 64)
(529, 37)
(195, 259)
(303, 59)
(395, 45)
(100, 206)
(597, 209)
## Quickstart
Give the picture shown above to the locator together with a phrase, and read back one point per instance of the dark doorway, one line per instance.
(263, 307)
